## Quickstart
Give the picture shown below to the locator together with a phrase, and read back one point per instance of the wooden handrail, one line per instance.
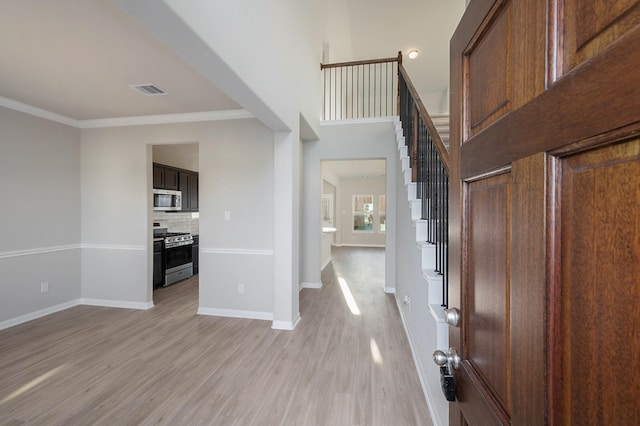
(397, 59)
(426, 118)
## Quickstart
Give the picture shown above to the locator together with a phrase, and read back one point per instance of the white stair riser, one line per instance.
(416, 209)
(412, 191)
(405, 163)
(428, 256)
(403, 151)
(435, 289)
(422, 231)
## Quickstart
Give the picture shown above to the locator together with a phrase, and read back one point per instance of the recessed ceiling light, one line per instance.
(413, 54)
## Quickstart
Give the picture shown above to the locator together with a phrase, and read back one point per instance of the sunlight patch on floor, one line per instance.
(375, 352)
(33, 383)
(348, 297)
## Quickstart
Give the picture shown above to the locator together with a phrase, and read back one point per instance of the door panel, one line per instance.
(598, 361)
(487, 61)
(544, 259)
(486, 300)
(592, 25)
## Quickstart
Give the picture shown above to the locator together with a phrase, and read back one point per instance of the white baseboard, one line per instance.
(428, 396)
(232, 313)
(70, 304)
(286, 325)
(38, 314)
(124, 304)
(311, 285)
(325, 263)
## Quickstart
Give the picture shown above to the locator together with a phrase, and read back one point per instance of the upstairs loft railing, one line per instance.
(361, 89)
(380, 88)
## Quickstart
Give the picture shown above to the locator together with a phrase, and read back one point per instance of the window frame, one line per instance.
(363, 213)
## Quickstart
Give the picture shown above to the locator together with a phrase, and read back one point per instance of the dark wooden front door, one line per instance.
(545, 212)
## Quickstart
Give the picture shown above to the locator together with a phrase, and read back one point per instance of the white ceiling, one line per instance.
(381, 28)
(354, 168)
(78, 58)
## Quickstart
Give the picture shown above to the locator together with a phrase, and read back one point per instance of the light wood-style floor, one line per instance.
(91, 365)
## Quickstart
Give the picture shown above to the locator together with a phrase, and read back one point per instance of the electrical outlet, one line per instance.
(227, 215)
(44, 287)
(240, 288)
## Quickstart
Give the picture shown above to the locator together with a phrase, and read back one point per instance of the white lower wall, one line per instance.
(115, 275)
(21, 278)
(242, 283)
(325, 250)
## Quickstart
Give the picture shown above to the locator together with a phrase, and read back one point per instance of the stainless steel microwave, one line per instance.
(167, 200)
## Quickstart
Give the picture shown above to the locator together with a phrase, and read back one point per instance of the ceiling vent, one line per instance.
(149, 89)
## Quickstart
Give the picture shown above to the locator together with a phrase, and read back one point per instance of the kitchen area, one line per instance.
(175, 214)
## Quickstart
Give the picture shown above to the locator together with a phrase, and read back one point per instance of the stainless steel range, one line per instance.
(177, 258)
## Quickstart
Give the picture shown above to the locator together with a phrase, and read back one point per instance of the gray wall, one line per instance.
(236, 174)
(39, 215)
(77, 214)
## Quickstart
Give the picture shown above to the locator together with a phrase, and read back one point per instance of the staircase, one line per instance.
(423, 144)
(441, 121)
(433, 279)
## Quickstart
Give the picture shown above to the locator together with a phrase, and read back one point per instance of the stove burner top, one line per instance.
(169, 234)
(176, 239)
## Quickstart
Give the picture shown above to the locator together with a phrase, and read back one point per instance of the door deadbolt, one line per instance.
(452, 317)
(447, 362)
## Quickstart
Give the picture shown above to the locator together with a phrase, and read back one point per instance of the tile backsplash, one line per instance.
(178, 222)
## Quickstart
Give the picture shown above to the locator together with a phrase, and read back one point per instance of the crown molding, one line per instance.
(37, 112)
(236, 114)
(189, 117)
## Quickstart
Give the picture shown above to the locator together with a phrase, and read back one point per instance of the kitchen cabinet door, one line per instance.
(189, 188)
(165, 177)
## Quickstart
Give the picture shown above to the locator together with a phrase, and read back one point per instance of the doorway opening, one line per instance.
(353, 206)
(175, 219)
